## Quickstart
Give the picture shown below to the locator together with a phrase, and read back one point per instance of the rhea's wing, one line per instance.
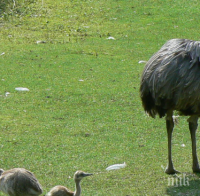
(25, 182)
(170, 76)
(163, 56)
(154, 76)
(180, 80)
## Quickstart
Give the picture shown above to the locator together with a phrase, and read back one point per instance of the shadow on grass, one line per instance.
(184, 185)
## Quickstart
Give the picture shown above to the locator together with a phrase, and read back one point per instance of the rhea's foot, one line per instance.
(196, 169)
(171, 171)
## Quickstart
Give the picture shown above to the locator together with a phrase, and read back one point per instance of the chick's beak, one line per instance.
(87, 174)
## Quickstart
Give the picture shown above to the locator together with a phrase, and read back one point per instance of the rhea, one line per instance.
(63, 191)
(171, 81)
(19, 182)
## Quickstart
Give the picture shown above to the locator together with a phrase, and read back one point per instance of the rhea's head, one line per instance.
(80, 174)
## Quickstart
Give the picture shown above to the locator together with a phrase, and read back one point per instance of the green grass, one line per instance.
(83, 110)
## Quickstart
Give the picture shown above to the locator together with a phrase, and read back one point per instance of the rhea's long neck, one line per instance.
(78, 188)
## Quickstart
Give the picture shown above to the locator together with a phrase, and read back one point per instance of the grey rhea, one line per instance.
(19, 182)
(63, 191)
(171, 81)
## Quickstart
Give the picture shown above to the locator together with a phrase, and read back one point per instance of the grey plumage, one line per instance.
(171, 81)
(19, 182)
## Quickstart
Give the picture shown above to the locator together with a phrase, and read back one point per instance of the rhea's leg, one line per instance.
(193, 124)
(170, 126)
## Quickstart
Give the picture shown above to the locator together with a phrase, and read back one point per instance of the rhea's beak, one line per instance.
(87, 174)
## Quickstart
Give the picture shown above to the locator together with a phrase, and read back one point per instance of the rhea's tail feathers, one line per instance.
(150, 107)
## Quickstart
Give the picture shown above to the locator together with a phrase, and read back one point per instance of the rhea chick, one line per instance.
(63, 191)
(19, 182)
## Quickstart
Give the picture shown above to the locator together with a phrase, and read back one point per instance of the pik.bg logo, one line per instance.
(178, 180)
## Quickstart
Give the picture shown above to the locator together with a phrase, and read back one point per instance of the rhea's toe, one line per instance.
(171, 171)
(196, 169)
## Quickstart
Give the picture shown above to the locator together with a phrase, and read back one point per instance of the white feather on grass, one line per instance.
(116, 166)
(21, 89)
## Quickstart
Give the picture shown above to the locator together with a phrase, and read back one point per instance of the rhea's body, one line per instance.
(19, 182)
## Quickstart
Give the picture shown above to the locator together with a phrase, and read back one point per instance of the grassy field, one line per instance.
(83, 110)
